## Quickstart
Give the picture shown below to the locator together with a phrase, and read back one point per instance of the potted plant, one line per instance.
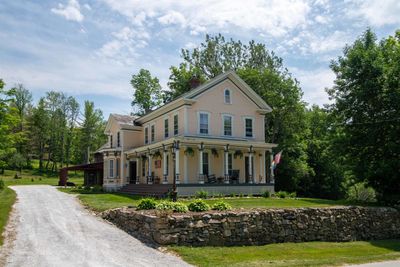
(157, 154)
(189, 151)
(238, 153)
(214, 152)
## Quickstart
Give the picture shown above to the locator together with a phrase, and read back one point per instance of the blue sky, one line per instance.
(89, 49)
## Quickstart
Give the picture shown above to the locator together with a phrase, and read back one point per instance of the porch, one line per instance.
(194, 161)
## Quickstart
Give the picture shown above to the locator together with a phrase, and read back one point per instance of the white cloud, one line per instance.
(377, 12)
(71, 11)
(275, 17)
(313, 83)
(322, 19)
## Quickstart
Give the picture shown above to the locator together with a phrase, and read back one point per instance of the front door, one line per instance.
(132, 172)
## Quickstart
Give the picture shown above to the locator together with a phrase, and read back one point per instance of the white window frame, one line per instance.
(111, 168)
(208, 122)
(244, 126)
(152, 138)
(166, 130)
(223, 124)
(146, 135)
(177, 123)
(230, 96)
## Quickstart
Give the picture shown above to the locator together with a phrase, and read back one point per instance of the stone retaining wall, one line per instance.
(259, 226)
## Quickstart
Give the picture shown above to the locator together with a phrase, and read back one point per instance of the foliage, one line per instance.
(174, 206)
(282, 194)
(201, 194)
(189, 151)
(147, 93)
(97, 189)
(221, 205)
(214, 152)
(238, 153)
(359, 192)
(7, 199)
(366, 92)
(147, 204)
(198, 206)
(266, 194)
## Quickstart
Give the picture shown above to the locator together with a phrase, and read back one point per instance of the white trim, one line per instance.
(185, 171)
(111, 173)
(230, 96)
(208, 122)
(223, 115)
(151, 141)
(185, 121)
(244, 126)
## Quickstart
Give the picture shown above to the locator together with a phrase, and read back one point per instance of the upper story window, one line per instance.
(166, 127)
(111, 140)
(111, 168)
(146, 135)
(117, 168)
(227, 120)
(203, 123)
(153, 132)
(118, 139)
(227, 96)
(176, 124)
(248, 127)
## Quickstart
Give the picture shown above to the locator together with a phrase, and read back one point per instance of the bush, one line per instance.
(281, 194)
(293, 195)
(97, 189)
(266, 194)
(147, 204)
(174, 206)
(201, 194)
(2, 185)
(198, 205)
(221, 205)
(359, 192)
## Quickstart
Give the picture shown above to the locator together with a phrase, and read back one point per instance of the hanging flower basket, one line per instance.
(214, 152)
(189, 151)
(238, 153)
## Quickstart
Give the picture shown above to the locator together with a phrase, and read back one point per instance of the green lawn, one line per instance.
(7, 199)
(29, 177)
(292, 254)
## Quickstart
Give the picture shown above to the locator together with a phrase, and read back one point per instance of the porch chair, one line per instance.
(211, 179)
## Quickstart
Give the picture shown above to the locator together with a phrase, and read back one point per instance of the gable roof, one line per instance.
(123, 121)
(189, 97)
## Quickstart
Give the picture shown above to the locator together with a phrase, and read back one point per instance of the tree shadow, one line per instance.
(390, 244)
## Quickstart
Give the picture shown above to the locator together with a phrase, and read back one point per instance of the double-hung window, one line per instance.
(227, 120)
(146, 135)
(153, 132)
(166, 132)
(176, 124)
(111, 168)
(117, 168)
(118, 139)
(248, 127)
(203, 123)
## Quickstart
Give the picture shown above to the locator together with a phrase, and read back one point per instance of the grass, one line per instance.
(7, 199)
(34, 177)
(292, 254)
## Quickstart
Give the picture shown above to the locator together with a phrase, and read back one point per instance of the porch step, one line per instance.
(154, 190)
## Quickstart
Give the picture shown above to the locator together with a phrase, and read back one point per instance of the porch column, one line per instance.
(201, 174)
(271, 159)
(185, 173)
(137, 170)
(177, 164)
(263, 167)
(165, 167)
(251, 165)
(226, 180)
(149, 178)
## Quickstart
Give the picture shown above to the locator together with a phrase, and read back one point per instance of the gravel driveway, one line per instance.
(52, 229)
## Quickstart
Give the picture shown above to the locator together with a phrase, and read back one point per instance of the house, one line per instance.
(211, 138)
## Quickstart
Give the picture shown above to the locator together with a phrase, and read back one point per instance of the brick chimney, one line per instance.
(194, 82)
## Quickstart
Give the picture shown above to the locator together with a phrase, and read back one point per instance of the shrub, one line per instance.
(293, 195)
(86, 188)
(266, 194)
(174, 206)
(2, 185)
(201, 194)
(361, 193)
(198, 205)
(180, 207)
(221, 205)
(147, 204)
(97, 189)
(281, 194)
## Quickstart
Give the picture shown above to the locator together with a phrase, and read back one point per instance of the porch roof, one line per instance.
(207, 141)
